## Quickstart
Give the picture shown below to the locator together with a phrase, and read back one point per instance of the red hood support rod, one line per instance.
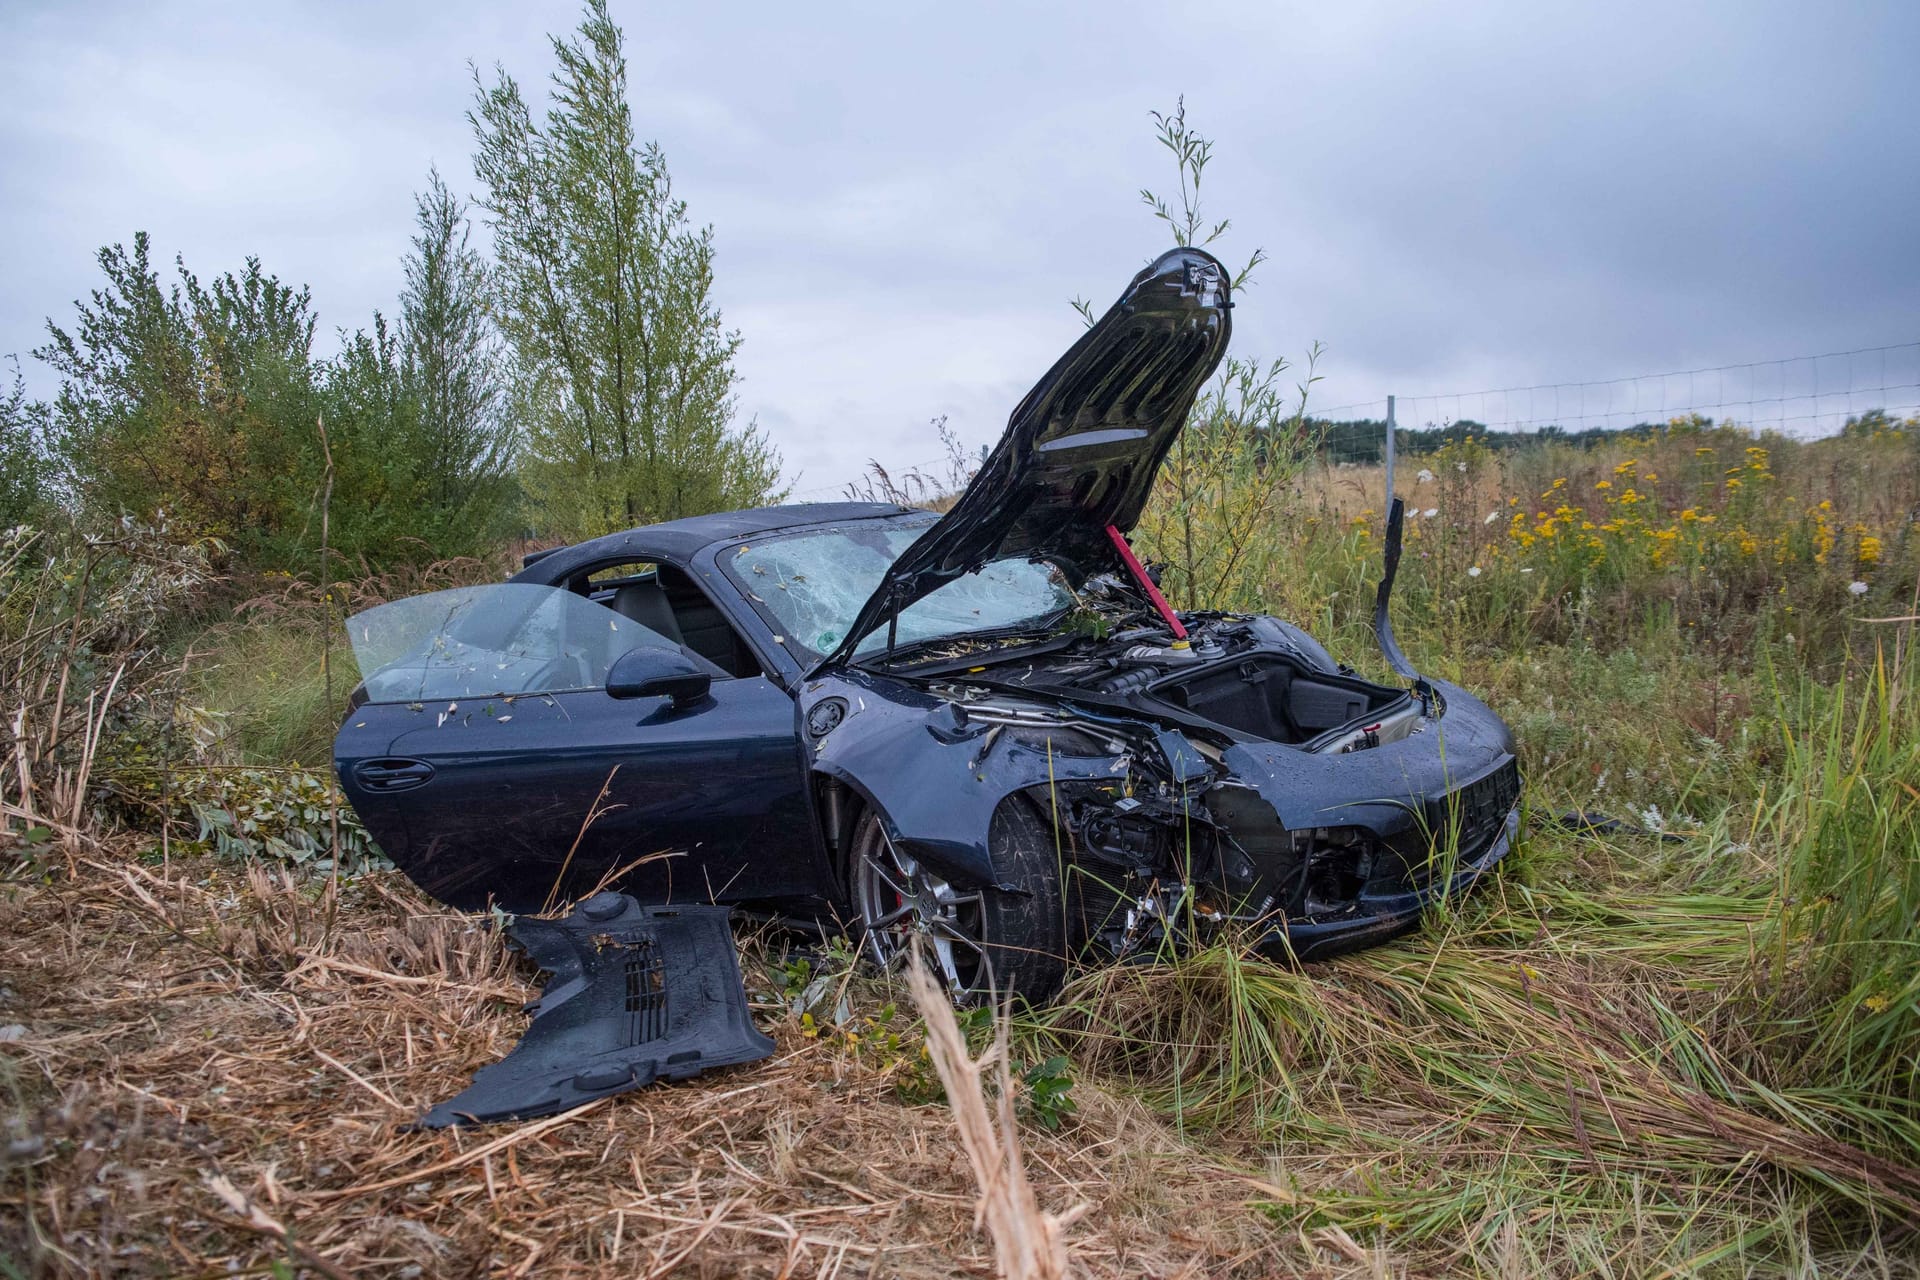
(1146, 584)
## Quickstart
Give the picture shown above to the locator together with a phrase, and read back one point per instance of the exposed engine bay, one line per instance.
(1240, 677)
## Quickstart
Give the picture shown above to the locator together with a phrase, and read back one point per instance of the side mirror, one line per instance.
(654, 672)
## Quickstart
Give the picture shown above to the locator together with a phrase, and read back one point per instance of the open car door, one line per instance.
(502, 749)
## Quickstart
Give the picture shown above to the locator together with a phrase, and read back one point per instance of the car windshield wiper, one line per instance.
(985, 658)
(902, 654)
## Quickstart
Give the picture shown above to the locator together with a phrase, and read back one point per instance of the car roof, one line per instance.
(681, 539)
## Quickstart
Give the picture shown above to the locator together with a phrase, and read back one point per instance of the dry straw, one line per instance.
(1028, 1243)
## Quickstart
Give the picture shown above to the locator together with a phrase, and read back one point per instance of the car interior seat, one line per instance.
(669, 603)
(646, 603)
(703, 628)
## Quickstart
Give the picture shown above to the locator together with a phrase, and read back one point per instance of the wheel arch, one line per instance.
(934, 776)
(958, 847)
(944, 816)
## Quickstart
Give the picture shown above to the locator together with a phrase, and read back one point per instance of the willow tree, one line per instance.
(622, 372)
(422, 445)
(1224, 488)
(450, 366)
(25, 469)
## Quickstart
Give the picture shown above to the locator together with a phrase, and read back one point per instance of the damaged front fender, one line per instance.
(934, 772)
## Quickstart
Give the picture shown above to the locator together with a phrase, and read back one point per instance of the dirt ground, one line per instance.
(210, 1069)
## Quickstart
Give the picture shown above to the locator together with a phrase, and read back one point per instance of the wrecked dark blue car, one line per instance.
(983, 728)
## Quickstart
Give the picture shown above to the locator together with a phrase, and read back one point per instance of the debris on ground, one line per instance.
(220, 1068)
(637, 994)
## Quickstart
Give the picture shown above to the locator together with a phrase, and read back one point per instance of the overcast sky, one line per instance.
(905, 196)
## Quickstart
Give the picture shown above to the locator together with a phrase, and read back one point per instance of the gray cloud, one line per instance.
(904, 197)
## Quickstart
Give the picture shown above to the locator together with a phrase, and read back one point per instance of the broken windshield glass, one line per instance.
(811, 586)
(502, 639)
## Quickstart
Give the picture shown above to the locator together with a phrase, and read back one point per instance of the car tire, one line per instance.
(984, 943)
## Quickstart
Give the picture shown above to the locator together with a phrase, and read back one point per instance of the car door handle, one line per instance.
(393, 775)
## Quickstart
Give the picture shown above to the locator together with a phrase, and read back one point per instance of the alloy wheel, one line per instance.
(901, 901)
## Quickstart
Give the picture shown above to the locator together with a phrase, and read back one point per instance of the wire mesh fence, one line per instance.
(1799, 395)
(1807, 395)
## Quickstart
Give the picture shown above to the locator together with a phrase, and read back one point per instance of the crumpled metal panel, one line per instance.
(934, 778)
(638, 994)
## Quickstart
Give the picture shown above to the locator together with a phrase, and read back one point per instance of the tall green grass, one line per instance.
(1840, 983)
(266, 684)
(1625, 1056)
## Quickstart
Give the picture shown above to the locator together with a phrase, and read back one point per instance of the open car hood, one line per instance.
(1083, 447)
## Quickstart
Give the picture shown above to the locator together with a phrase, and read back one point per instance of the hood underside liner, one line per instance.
(1082, 448)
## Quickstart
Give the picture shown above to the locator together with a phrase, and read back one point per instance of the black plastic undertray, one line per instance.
(637, 994)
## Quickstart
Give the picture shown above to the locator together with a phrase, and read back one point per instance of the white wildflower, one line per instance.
(1459, 466)
(1474, 572)
(1652, 819)
(1857, 588)
(1425, 476)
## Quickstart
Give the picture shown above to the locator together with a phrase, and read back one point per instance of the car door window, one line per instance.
(500, 639)
(667, 599)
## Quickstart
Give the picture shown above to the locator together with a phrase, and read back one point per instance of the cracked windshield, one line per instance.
(812, 586)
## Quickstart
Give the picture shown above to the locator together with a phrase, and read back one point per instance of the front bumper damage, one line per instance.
(1376, 837)
(1316, 852)
(1313, 854)
(1377, 917)
(1374, 873)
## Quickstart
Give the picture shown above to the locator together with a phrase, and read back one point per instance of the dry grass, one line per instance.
(1028, 1242)
(215, 1068)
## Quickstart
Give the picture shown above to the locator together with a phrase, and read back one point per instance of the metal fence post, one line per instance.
(1389, 505)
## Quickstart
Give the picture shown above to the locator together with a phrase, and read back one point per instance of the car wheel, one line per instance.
(980, 942)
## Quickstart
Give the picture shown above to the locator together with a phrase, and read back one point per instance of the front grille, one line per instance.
(1476, 811)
